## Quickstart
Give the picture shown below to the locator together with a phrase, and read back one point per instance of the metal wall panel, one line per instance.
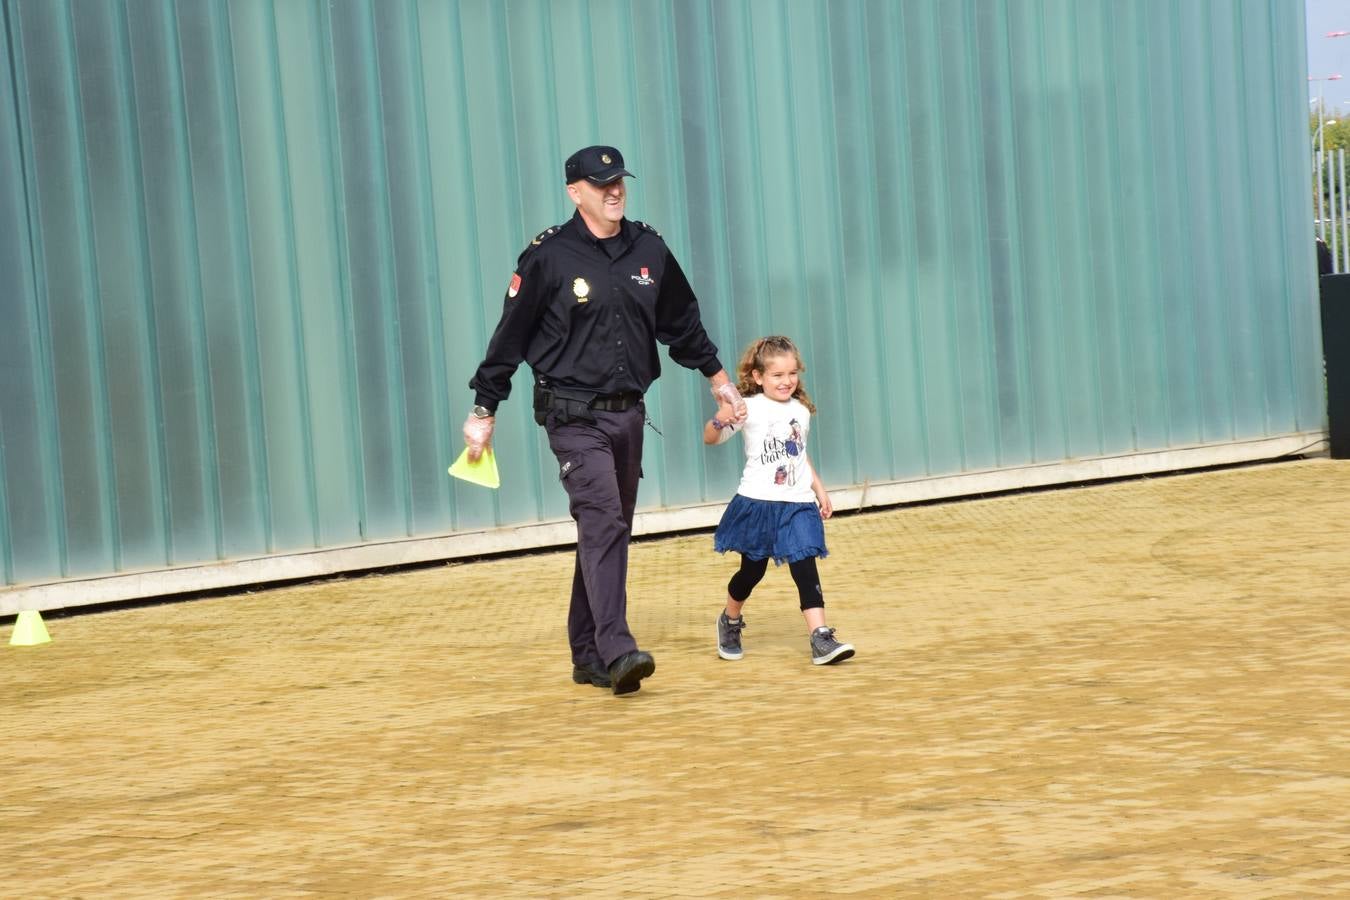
(253, 249)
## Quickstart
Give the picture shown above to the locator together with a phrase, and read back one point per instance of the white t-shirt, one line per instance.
(775, 450)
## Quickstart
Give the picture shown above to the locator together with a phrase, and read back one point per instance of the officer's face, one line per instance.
(601, 205)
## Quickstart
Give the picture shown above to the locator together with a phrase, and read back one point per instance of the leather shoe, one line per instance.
(590, 675)
(626, 672)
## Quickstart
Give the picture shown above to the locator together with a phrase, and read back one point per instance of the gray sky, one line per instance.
(1329, 56)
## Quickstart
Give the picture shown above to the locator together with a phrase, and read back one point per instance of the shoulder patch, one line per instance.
(645, 227)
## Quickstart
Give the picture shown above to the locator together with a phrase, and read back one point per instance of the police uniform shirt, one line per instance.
(586, 314)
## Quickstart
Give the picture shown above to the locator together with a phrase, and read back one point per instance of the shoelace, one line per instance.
(734, 629)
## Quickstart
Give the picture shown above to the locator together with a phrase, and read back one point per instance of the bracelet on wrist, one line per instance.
(716, 423)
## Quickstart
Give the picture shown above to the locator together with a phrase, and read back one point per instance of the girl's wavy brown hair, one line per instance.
(755, 359)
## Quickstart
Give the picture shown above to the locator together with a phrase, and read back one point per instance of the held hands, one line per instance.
(478, 435)
(726, 395)
(726, 414)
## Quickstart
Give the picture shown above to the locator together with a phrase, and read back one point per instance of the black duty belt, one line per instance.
(616, 402)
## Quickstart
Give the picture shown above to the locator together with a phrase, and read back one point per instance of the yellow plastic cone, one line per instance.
(29, 630)
(483, 472)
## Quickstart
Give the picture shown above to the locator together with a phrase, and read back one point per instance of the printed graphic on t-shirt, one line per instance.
(775, 436)
(776, 448)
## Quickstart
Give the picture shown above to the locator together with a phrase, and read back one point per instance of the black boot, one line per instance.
(626, 672)
(590, 675)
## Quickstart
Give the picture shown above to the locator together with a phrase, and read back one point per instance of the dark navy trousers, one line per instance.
(599, 465)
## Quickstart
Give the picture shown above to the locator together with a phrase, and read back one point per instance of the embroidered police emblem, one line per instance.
(581, 289)
(515, 285)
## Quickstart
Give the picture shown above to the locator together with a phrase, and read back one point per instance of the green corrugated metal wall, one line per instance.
(253, 249)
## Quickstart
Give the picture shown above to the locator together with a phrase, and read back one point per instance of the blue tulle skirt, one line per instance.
(764, 529)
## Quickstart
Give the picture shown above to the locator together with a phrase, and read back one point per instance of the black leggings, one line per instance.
(803, 573)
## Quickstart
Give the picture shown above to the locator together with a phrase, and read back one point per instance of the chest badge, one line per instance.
(581, 289)
(643, 277)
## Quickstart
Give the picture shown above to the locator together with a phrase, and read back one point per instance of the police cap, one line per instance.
(598, 165)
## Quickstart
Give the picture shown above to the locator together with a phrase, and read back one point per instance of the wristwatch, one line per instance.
(482, 412)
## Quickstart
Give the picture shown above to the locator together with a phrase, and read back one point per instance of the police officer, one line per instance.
(586, 306)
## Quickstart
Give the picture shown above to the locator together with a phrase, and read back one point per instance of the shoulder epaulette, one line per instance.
(645, 227)
(544, 235)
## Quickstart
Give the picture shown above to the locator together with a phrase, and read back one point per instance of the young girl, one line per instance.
(778, 508)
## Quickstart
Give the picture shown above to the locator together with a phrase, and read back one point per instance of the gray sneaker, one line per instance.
(826, 650)
(729, 636)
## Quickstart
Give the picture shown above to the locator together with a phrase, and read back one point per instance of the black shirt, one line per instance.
(588, 320)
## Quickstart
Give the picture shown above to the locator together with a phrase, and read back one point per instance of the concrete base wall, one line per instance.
(336, 560)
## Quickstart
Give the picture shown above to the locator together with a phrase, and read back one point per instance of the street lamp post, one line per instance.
(1321, 137)
(1322, 143)
(1331, 198)
(1321, 146)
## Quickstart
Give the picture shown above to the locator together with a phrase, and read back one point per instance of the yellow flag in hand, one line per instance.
(483, 472)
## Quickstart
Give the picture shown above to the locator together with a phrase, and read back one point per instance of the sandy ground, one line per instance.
(1139, 689)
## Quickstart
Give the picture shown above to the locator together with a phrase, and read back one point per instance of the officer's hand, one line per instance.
(727, 393)
(478, 435)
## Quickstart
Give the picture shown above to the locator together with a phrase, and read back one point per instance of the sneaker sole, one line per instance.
(841, 653)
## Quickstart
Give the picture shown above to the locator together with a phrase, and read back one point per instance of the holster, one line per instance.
(560, 406)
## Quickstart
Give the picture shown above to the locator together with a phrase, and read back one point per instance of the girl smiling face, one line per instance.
(778, 378)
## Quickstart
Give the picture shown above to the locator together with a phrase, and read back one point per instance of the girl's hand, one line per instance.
(726, 413)
(715, 429)
(826, 507)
